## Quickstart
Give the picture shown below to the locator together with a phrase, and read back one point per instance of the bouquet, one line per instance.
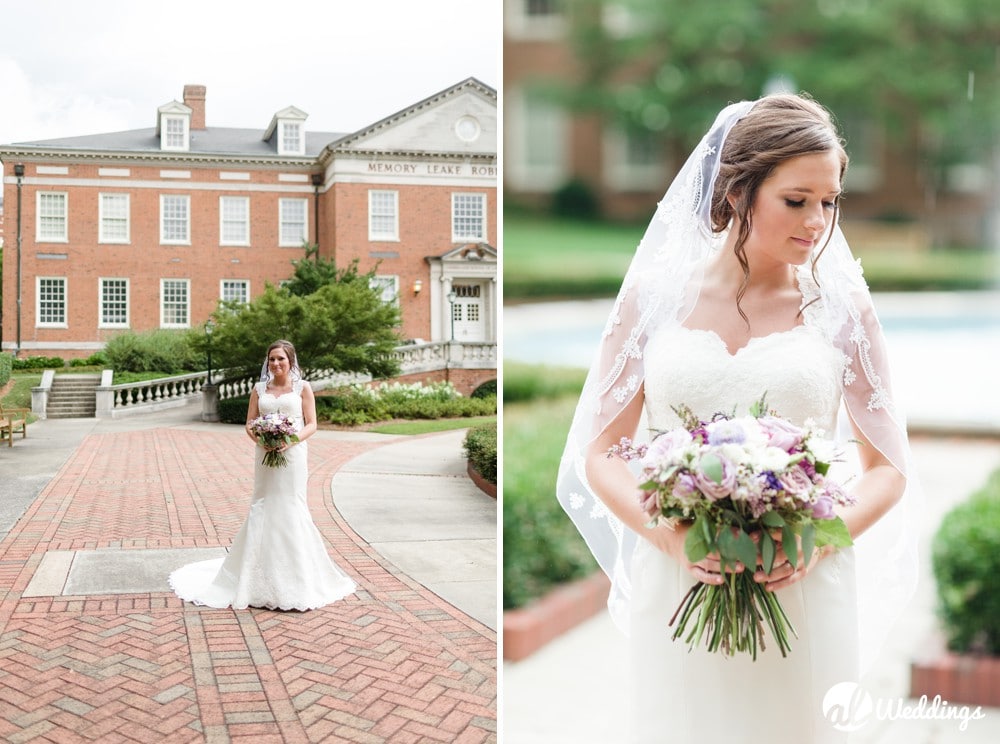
(745, 485)
(273, 430)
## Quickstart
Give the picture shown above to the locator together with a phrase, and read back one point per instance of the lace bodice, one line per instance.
(799, 370)
(288, 403)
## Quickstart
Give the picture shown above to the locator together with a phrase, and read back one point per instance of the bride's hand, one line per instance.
(783, 573)
(671, 541)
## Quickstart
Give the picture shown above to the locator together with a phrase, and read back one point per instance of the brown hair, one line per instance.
(778, 127)
(289, 350)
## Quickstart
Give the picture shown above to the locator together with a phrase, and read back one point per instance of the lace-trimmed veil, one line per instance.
(661, 287)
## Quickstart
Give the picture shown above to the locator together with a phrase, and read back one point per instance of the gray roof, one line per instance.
(210, 141)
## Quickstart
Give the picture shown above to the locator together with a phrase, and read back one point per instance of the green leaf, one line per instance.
(728, 549)
(822, 467)
(833, 532)
(808, 543)
(711, 466)
(790, 545)
(746, 550)
(767, 551)
(772, 519)
(696, 547)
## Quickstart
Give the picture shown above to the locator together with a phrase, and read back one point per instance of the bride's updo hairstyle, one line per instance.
(778, 127)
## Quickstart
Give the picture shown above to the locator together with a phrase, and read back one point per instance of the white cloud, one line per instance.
(69, 68)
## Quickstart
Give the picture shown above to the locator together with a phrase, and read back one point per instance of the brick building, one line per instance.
(150, 228)
(893, 202)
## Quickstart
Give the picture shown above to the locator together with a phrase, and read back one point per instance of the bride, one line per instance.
(278, 559)
(742, 286)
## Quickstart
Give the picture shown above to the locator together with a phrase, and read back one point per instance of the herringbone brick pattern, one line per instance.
(392, 663)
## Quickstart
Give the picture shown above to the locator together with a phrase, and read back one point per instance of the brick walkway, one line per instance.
(391, 663)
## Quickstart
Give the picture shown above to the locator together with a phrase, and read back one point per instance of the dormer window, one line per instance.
(175, 133)
(291, 138)
(286, 132)
(173, 127)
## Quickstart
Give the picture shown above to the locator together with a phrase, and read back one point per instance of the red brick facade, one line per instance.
(421, 154)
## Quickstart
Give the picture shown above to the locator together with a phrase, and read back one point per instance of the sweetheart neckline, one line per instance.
(734, 355)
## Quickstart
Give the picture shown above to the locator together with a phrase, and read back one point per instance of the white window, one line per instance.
(539, 131)
(234, 220)
(114, 218)
(51, 223)
(534, 19)
(468, 217)
(388, 287)
(383, 215)
(174, 133)
(291, 140)
(633, 159)
(292, 217)
(175, 301)
(50, 307)
(114, 303)
(175, 219)
(235, 290)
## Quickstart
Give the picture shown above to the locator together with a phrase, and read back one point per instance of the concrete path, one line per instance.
(574, 691)
(94, 647)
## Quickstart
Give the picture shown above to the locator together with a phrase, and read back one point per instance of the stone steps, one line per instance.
(73, 396)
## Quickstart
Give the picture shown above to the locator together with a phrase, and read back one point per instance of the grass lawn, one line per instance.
(431, 425)
(541, 547)
(549, 258)
(19, 396)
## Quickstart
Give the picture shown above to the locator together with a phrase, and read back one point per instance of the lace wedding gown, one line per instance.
(278, 559)
(682, 696)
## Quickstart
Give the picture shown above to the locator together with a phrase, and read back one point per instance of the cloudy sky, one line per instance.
(70, 68)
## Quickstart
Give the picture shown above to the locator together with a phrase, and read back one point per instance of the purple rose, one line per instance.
(796, 482)
(715, 477)
(664, 446)
(823, 508)
(781, 433)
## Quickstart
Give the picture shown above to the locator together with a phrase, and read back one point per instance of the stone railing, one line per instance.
(116, 401)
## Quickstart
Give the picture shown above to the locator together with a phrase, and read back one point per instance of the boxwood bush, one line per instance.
(6, 365)
(38, 362)
(234, 410)
(965, 555)
(361, 404)
(481, 451)
(152, 351)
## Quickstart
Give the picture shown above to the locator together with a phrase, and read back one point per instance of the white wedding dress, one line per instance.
(682, 696)
(278, 559)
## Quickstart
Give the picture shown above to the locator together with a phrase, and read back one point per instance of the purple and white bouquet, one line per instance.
(746, 485)
(272, 430)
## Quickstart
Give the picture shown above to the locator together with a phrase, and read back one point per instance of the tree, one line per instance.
(668, 65)
(335, 319)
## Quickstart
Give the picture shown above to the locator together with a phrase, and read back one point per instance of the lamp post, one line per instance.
(209, 327)
(451, 301)
(19, 174)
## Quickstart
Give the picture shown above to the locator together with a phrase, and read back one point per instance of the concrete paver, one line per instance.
(394, 662)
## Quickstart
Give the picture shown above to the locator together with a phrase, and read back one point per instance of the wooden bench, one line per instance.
(11, 420)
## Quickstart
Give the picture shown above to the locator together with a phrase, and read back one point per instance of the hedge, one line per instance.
(6, 364)
(481, 450)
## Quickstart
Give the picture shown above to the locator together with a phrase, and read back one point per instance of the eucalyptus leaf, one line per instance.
(695, 545)
(808, 543)
(746, 549)
(711, 467)
(772, 519)
(790, 545)
(767, 551)
(833, 532)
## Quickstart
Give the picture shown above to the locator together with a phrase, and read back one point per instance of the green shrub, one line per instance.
(965, 555)
(481, 450)
(234, 410)
(541, 547)
(524, 382)
(485, 390)
(359, 404)
(98, 359)
(575, 199)
(6, 365)
(153, 351)
(38, 362)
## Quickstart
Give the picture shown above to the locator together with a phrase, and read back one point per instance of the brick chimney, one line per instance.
(194, 98)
